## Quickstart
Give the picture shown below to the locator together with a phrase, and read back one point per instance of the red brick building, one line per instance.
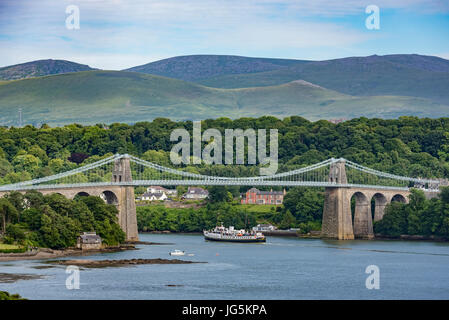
(255, 196)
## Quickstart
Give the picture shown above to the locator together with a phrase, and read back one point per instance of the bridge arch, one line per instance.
(363, 223)
(399, 198)
(109, 197)
(81, 194)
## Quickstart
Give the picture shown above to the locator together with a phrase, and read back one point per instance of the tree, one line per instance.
(17, 200)
(415, 209)
(443, 230)
(160, 157)
(59, 203)
(34, 198)
(80, 211)
(16, 232)
(219, 194)
(288, 220)
(106, 222)
(26, 162)
(394, 221)
(7, 212)
(5, 167)
(305, 204)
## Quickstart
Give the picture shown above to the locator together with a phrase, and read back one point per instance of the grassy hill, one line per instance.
(403, 75)
(40, 68)
(91, 97)
(400, 74)
(198, 67)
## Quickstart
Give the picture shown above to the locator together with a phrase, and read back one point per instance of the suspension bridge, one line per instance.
(114, 178)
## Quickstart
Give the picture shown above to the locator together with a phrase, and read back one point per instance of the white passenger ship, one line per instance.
(230, 234)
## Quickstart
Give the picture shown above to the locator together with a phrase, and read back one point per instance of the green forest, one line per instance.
(407, 146)
(419, 217)
(53, 221)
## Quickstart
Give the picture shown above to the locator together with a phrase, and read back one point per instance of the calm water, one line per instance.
(283, 268)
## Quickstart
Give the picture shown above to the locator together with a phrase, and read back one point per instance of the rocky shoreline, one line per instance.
(45, 253)
(13, 277)
(409, 237)
(119, 262)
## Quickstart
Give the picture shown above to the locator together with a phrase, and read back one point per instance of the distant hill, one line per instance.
(91, 97)
(40, 68)
(404, 75)
(400, 74)
(198, 67)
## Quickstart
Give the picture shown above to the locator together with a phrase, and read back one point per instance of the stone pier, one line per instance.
(338, 221)
(127, 206)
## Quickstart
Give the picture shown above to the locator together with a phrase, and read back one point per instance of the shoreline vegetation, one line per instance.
(46, 253)
(38, 226)
(8, 296)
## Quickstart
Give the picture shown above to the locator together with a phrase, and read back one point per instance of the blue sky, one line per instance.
(117, 34)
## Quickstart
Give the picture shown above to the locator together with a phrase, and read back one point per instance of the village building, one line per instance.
(264, 227)
(158, 193)
(154, 196)
(88, 241)
(159, 189)
(196, 193)
(255, 196)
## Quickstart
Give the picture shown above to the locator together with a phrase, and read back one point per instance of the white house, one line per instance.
(264, 227)
(159, 189)
(196, 193)
(154, 196)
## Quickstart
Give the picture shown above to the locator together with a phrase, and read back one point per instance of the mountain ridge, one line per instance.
(374, 86)
(40, 68)
(97, 96)
(196, 67)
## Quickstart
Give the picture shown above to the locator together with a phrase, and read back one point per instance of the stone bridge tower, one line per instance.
(126, 203)
(337, 218)
(338, 222)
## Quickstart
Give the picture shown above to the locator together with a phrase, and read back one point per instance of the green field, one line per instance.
(92, 97)
(8, 246)
(11, 248)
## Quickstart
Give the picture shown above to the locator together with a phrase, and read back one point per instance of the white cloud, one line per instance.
(117, 34)
(442, 55)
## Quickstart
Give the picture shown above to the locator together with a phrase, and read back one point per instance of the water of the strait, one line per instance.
(281, 268)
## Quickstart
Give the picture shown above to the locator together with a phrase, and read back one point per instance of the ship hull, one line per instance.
(235, 240)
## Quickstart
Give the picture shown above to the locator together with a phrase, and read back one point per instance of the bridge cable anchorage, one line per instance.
(316, 175)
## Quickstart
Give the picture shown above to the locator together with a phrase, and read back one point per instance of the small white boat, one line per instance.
(177, 253)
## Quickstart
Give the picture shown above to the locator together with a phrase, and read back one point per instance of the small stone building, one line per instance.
(89, 241)
(196, 193)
